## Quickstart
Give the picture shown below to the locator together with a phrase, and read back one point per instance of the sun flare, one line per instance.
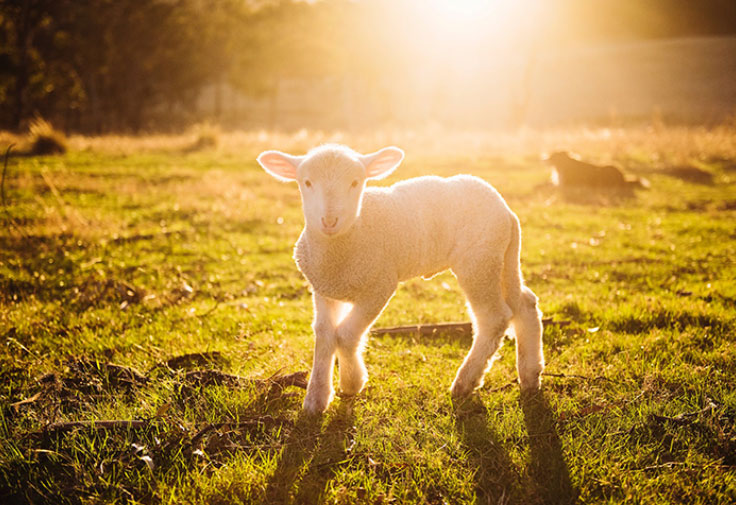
(491, 13)
(464, 8)
(477, 22)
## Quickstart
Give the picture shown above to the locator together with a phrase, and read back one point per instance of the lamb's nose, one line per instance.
(329, 224)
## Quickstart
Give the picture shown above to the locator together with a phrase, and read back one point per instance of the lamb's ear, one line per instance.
(281, 165)
(381, 163)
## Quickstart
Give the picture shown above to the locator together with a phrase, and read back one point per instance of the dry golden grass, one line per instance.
(665, 142)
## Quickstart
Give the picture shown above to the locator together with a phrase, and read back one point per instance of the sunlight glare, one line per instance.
(468, 19)
(464, 8)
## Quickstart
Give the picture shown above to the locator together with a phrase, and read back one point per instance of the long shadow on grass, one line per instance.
(546, 480)
(310, 457)
(496, 477)
(547, 470)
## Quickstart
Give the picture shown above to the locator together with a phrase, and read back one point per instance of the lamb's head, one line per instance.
(331, 180)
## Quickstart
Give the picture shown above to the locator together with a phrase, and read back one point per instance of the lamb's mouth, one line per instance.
(332, 232)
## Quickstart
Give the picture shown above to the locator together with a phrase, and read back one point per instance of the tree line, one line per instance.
(131, 65)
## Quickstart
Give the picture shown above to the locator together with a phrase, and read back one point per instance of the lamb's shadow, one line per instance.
(496, 477)
(547, 470)
(319, 449)
(546, 479)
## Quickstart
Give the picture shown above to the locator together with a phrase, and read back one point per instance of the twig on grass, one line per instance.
(461, 329)
(684, 418)
(17, 405)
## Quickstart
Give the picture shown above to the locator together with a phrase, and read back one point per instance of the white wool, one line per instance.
(359, 243)
(420, 226)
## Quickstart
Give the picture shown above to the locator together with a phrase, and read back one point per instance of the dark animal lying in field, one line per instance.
(568, 172)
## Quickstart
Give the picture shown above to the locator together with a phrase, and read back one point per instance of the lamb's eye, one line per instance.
(354, 184)
(307, 183)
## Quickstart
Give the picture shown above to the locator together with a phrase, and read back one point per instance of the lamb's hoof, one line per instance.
(461, 389)
(352, 388)
(531, 385)
(316, 404)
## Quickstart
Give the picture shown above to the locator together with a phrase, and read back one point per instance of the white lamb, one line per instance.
(358, 243)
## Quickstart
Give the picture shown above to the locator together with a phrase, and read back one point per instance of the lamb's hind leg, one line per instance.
(527, 324)
(491, 316)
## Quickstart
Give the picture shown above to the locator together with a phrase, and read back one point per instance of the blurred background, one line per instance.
(134, 66)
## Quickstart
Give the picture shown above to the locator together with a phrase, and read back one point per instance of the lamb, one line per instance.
(359, 242)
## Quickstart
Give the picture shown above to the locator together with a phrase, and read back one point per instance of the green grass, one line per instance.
(136, 257)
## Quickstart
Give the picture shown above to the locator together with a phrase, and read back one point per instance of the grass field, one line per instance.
(139, 252)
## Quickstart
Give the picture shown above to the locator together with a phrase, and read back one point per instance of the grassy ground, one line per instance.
(136, 251)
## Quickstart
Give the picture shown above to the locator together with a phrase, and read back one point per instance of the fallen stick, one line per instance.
(426, 329)
(27, 401)
(684, 418)
(462, 328)
(580, 377)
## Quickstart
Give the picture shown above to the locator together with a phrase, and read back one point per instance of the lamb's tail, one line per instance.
(527, 318)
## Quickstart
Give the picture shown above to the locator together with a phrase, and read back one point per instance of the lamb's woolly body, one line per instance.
(359, 243)
(420, 226)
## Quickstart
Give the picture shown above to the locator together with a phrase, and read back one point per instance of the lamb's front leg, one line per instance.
(350, 340)
(320, 390)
